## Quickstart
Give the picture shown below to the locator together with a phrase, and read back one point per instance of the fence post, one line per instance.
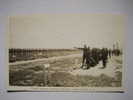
(45, 74)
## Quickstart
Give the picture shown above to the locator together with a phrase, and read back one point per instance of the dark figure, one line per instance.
(104, 56)
(99, 54)
(95, 55)
(109, 52)
(117, 52)
(84, 55)
(88, 58)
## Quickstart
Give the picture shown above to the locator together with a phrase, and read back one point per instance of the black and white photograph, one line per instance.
(66, 52)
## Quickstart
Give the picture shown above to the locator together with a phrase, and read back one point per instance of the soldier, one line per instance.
(104, 56)
(84, 55)
(99, 54)
(95, 55)
(88, 59)
(109, 52)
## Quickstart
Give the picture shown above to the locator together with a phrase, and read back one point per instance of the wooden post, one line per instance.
(48, 76)
(45, 74)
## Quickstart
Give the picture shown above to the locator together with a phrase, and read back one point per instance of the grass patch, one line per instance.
(62, 79)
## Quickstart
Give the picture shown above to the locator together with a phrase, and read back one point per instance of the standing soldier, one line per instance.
(104, 53)
(84, 55)
(110, 53)
(88, 57)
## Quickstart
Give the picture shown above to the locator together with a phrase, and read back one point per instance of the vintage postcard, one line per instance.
(65, 52)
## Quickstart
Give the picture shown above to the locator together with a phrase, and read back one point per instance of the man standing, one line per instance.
(109, 51)
(84, 55)
(104, 53)
(88, 59)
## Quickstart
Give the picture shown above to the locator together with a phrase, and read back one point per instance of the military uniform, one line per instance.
(104, 56)
(84, 55)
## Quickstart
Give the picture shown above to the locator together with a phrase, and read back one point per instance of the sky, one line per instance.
(66, 30)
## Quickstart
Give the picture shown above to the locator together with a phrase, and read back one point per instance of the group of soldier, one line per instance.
(92, 57)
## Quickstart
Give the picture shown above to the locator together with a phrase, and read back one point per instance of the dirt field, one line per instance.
(65, 71)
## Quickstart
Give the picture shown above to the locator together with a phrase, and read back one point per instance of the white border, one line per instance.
(62, 89)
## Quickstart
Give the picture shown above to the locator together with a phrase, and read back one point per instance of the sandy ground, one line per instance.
(110, 70)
